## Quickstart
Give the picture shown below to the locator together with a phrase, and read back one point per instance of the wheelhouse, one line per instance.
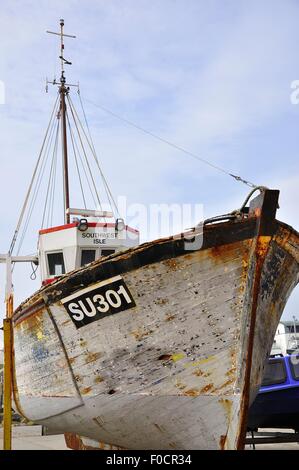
(67, 247)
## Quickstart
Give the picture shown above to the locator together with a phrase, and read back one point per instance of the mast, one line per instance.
(63, 90)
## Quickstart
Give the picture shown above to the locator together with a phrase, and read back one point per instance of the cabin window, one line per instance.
(56, 264)
(291, 328)
(275, 373)
(87, 256)
(107, 252)
(294, 365)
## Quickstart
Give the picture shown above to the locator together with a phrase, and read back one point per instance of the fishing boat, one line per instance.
(277, 403)
(153, 346)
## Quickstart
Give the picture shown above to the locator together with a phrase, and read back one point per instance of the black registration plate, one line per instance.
(100, 300)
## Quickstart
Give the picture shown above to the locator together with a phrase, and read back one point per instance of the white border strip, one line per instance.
(91, 288)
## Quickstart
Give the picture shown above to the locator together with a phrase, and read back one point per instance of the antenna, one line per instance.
(63, 91)
(62, 59)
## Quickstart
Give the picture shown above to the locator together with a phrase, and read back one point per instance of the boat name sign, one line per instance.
(98, 301)
(98, 238)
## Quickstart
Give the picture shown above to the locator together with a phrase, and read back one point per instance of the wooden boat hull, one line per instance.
(179, 367)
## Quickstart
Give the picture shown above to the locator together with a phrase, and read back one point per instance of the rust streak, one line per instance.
(171, 263)
(91, 357)
(222, 442)
(169, 317)
(180, 386)
(173, 445)
(192, 392)
(74, 441)
(98, 379)
(161, 301)
(260, 251)
(139, 334)
(198, 373)
(227, 405)
(228, 382)
(231, 371)
(220, 253)
(159, 427)
(207, 388)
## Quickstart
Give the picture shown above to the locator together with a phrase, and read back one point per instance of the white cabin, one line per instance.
(67, 247)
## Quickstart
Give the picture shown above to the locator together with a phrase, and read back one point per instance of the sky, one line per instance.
(214, 77)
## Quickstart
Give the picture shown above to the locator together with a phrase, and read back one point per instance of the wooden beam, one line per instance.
(7, 411)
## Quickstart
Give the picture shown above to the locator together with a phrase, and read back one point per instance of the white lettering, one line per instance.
(90, 313)
(101, 300)
(76, 312)
(117, 300)
(123, 291)
(119, 460)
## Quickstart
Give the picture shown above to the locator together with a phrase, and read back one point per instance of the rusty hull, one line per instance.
(177, 371)
(75, 442)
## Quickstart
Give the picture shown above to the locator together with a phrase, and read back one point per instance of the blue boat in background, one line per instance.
(277, 403)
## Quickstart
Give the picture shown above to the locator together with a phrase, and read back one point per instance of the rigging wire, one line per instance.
(13, 242)
(53, 189)
(49, 187)
(84, 169)
(85, 120)
(84, 153)
(53, 183)
(76, 160)
(75, 116)
(171, 144)
(37, 187)
(92, 148)
(38, 182)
